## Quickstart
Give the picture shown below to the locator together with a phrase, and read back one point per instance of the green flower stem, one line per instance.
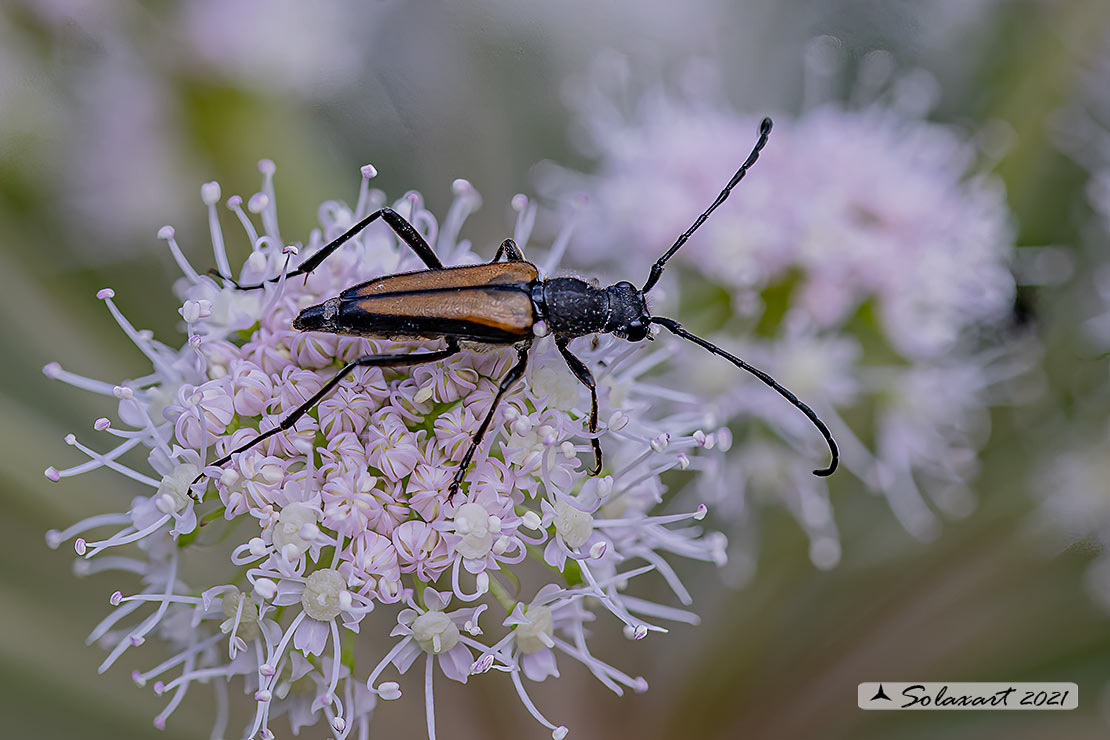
(502, 595)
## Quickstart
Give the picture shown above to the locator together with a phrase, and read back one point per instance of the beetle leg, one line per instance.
(406, 231)
(586, 378)
(416, 358)
(508, 381)
(510, 250)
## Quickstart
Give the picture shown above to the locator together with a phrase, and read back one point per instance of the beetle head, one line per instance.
(629, 318)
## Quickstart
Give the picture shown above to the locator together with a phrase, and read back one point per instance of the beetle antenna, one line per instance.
(675, 328)
(657, 268)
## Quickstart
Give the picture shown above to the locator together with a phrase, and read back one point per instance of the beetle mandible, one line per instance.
(500, 303)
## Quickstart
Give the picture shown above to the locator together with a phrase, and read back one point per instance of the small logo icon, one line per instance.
(880, 694)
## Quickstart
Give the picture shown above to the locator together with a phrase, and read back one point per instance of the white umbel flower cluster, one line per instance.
(347, 511)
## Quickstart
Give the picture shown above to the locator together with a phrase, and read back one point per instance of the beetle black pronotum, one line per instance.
(498, 303)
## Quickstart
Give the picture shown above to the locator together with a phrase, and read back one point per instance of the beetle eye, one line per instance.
(637, 331)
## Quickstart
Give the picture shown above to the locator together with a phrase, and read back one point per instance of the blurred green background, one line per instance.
(113, 113)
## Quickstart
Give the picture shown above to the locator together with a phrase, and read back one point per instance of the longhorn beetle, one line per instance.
(497, 303)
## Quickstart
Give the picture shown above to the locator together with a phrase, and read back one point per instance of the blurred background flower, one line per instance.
(921, 254)
(865, 263)
(1074, 482)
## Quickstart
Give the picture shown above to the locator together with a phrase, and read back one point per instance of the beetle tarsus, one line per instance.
(455, 483)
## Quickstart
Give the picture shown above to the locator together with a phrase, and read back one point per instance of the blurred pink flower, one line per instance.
(865, 244)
